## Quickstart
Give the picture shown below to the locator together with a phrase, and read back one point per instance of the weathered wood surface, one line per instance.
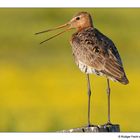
(99, 128)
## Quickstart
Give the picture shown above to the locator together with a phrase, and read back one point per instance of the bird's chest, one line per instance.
(82, 45)
(82, 49)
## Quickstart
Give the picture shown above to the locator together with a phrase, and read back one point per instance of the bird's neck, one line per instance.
(83, 28)
(85, 25)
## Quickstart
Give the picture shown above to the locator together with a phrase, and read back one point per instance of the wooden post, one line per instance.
(99, 128)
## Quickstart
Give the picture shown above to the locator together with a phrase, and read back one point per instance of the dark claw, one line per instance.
(107, 124)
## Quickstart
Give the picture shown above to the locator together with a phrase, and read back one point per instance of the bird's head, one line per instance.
(80, 21)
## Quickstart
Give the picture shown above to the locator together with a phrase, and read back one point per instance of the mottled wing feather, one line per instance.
(98, 52)
(113, 66)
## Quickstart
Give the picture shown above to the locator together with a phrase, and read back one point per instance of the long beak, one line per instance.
(59, 27)
(55, 35)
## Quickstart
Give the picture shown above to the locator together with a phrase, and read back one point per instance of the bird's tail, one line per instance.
(113, 70)
(124, 80)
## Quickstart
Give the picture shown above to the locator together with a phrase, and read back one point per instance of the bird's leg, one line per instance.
(108, 97)
(89, 95)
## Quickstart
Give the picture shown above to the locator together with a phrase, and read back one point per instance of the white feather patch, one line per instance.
(90, 70)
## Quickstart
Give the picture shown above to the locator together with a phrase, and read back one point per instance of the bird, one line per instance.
(94, 53)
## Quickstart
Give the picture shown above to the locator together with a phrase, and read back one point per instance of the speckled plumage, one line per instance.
(95, 53)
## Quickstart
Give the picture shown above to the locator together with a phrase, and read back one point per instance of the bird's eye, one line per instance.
(78, 18)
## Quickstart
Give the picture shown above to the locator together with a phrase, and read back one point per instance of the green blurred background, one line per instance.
(41, 88)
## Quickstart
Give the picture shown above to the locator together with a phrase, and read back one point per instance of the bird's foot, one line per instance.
(111, 127)
(90, 128)
(108, 124)
(92, 125)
